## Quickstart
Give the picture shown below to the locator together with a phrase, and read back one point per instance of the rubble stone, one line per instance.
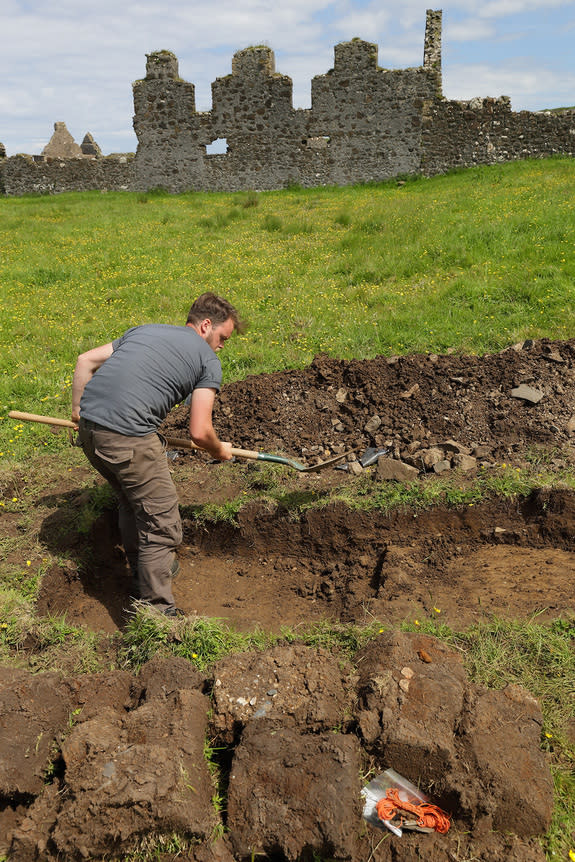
(464, 462)
(388, 469)
(442, 466)
(527, 393)
(426, 458)
(454, 446)
(373, 424)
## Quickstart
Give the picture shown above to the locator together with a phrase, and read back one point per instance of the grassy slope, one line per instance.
(472, 261)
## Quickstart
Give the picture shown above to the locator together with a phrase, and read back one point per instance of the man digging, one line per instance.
(121, 393)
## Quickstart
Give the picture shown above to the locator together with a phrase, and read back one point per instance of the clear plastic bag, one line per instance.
(377, 789)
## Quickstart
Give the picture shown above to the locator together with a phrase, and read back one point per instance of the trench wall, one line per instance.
(365, 124)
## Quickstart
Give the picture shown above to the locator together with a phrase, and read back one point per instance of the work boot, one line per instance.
(173, 611)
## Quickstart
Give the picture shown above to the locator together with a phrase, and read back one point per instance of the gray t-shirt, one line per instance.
(153, 368)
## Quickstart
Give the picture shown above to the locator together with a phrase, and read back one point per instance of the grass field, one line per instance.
(472, 262)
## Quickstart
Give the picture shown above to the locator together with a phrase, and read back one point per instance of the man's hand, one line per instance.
(225, 453)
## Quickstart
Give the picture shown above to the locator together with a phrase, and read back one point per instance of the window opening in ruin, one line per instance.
(220, 145)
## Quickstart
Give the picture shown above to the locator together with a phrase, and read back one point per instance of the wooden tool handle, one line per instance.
(171, 441)
(47, 420)
(179, 443)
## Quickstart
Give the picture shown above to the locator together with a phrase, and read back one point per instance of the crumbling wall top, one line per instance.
(354, 57)
(482, 103)
(161, 65)
(257, 60)
(432, 46)
(89, 146)
(62, 145)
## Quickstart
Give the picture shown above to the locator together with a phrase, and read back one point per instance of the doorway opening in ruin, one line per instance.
(217, 147)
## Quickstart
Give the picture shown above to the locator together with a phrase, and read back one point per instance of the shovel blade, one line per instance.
(315, 468)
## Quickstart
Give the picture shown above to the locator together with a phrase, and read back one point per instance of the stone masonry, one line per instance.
(62, 145)
(365, 124)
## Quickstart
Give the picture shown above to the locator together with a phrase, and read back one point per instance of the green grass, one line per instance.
(203, 641)
(199, 640)
(55, 642)
(475, 261)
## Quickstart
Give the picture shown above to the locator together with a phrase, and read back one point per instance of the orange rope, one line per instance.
(427, 814)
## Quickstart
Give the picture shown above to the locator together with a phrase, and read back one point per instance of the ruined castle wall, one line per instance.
(372, 118)
(365, 124)
(486, 131)
(253, 110)
(22, 174)
(169, 130)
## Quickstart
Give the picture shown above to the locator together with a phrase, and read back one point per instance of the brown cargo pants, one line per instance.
(149, 517)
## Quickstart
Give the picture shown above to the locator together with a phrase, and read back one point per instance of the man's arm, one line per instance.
(86, 366)
(201, 428)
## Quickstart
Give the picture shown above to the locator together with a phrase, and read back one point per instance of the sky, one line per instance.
(63, 60)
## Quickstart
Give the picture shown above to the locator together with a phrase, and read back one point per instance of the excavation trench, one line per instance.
(269, 570)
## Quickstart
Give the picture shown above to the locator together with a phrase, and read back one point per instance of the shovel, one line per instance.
(178, 443)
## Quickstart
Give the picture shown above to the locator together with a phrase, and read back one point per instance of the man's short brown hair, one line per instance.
(215, 308)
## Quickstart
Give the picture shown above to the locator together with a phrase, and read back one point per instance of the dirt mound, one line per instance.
(335, 405)
(121, 758)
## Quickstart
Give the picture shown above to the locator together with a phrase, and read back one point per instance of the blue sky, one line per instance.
(63, 60)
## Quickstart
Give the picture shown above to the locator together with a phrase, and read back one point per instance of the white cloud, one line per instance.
(469, 30)
(17, 102)
(502, 8)
(62, 60)
(368, 23)
(530, 88)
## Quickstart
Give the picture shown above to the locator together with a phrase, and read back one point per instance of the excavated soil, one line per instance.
(292, 783)
(503, 557)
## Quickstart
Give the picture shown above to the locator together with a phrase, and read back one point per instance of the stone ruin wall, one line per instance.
(486, 131)
(365, 124)
(23, 175)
